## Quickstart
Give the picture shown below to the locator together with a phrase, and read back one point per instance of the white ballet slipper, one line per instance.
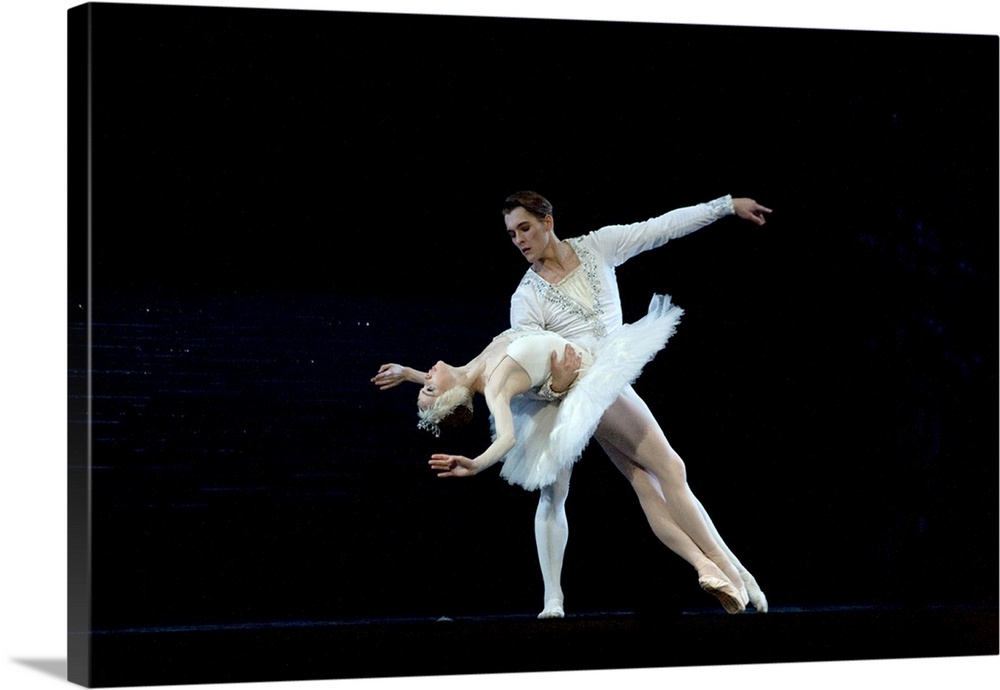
(553, 609)
(757, 598)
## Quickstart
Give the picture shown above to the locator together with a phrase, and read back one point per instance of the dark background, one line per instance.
(284, 200)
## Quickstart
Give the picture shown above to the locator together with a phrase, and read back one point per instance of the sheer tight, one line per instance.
(551, 536)
(630, 436)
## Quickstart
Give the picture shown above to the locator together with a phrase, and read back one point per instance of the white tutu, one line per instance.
(552, 435)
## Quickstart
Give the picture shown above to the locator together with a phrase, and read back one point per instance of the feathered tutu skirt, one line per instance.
(552, 435)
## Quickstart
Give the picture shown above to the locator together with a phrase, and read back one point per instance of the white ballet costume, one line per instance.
(551, 434)
(585, 308)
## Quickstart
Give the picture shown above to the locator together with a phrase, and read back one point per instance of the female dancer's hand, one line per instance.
(748, 209)
(453, 465)
(389, 376)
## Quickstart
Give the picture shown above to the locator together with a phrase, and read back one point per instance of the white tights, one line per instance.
(630, 436)
(551, 535)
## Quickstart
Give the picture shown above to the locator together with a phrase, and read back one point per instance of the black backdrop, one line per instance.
(284, 200)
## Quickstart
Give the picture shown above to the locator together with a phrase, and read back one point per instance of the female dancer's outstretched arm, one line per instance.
(391, 375)
(507, 380)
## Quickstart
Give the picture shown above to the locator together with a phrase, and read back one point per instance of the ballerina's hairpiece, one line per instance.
(432, 417)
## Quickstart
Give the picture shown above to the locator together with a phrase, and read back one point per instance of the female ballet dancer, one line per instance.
(571, 289)
(540, 436)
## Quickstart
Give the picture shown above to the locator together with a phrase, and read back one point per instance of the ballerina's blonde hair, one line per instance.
(451, 409)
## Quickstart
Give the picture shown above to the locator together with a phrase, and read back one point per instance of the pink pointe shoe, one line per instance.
(724, 592)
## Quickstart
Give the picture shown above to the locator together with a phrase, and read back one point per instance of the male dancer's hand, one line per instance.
(748, 209)
(564, 372)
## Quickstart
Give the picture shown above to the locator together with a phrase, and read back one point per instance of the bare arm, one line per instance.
(507, 381)
(391, 375)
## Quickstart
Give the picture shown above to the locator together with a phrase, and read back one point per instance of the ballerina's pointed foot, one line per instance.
(553, 609)
(744, 595)
(722, 569)
(722, 590)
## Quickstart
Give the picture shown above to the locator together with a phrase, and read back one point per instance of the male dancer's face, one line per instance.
(529, 234)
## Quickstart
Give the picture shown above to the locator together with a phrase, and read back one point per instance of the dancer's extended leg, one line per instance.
(551, 536)
(628, 431)
(647, 489)
(754, 592)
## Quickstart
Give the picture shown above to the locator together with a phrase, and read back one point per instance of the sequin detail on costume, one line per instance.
(547, 291)
(723, 206)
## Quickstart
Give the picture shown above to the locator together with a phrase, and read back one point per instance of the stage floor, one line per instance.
(246, 486)
(312, 650)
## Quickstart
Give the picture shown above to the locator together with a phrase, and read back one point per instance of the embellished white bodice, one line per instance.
(586, 303)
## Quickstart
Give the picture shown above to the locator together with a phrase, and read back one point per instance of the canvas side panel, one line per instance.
(78, 356)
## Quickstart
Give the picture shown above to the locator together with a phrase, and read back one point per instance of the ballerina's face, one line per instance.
(529, 233)
(439, 380)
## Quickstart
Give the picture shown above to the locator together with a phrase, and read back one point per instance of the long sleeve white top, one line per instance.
(586, 303)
